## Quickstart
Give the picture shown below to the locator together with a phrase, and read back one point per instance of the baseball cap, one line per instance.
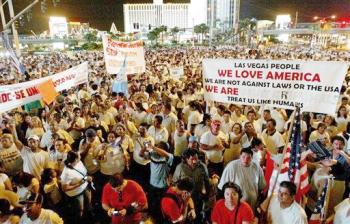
(34, 137)
(193, 139)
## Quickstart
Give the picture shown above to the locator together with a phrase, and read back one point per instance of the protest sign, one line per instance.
(16, 95)
(314, 86)
(48, 91)
(116, 51)
(176, 72)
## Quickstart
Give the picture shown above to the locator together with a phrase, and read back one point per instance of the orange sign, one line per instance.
(47, 91)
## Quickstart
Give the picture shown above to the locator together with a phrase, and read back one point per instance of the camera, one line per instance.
(115, 213)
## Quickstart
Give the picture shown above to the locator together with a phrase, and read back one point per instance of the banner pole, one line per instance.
(326, 202)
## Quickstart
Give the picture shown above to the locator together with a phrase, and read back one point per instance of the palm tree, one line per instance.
(153, 35)
(162, 31)
(174, 31)
(246, 28)
(201, 29)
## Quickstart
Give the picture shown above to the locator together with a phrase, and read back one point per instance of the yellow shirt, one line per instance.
(66, 136)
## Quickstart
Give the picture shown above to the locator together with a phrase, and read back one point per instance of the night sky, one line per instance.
(101, 13)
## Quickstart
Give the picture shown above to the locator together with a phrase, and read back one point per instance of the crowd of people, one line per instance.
(160, 153)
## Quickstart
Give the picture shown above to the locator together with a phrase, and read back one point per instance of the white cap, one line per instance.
(35, 137)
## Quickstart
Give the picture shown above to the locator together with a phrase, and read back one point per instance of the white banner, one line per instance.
(312, 85)
(16, 95)
(176, 72)
(116, 51)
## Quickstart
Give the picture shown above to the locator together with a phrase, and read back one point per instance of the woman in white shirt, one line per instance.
(320, 134)
(113, 158)
(204, 126)
(342, 119)
(235, 138)
(35, 128)
(139, 115)
(26, 184)
(75, 182)
(195, 115)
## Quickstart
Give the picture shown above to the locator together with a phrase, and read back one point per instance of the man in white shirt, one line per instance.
(157, 131)
(169, 119)
(35, 214)
(212, 143)
(262, 122)
(283, 208)
(247, 174)
(272, 138)
(35, 160)
(227, 124)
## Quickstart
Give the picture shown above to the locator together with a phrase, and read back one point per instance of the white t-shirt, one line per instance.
(294, 214)
(71, 176)
(272, 142)
(136, 153)
(209, 139)
(34, 162)
(114, 162)
(180, 143)
(341, 211)
(3, 178)
(158, 135)
(194, 117)
(46, 217)
(200, 130)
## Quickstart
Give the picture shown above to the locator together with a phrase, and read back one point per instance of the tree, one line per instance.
(202, 29)
(153, 35)
(90, 36)
(246, 27)
(162, 30)
(174, 32)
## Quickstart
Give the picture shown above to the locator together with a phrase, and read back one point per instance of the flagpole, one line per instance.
(284, 149)
(330, 186)
(281, 162)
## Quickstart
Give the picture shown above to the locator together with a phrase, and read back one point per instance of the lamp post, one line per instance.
(211, 22)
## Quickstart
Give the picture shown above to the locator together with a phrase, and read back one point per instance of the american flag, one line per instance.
(13, 58)
(292, 163)
(318, 213)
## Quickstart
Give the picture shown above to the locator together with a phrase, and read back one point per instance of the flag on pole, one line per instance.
(318, 213)
(293, 162)
(13, 58)
(120, 84)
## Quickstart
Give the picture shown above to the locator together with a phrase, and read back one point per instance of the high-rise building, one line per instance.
(141, 17)
(225, 13)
